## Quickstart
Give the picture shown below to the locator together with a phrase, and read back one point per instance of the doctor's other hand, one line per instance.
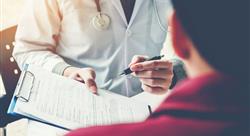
(84, 75)
(155, 76)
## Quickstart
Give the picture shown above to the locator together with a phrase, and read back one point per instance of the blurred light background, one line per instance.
(10, 12)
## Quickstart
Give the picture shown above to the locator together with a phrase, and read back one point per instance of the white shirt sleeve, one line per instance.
(37, 34)
(167, 49)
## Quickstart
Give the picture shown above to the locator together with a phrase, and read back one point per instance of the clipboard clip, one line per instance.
(24, 87)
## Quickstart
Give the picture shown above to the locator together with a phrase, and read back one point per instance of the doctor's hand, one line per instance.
(155, 76)
(84, 75)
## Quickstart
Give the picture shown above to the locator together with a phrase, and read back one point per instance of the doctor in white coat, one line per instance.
(93, 41)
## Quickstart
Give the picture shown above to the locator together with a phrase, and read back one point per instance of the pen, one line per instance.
(129, 71)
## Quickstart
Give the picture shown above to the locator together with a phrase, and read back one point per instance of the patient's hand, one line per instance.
(84, 75)
(155, 76)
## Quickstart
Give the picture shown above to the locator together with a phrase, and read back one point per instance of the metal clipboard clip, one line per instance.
(24, 87)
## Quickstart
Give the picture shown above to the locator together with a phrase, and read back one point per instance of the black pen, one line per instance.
(129, 71)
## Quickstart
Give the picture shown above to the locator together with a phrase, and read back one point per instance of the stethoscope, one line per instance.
(102, 21)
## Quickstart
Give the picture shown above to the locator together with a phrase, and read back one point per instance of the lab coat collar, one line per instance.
(119, 8)
(137, 7)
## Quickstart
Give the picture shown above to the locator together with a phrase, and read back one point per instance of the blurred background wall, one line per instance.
(10, 11)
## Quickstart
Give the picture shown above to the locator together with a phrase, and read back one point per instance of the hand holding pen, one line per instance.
(154, 73)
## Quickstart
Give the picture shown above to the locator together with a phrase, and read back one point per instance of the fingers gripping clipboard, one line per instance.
(66, 103)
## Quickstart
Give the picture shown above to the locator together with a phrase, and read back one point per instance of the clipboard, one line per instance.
(29, 85)
(17, 94)
(22, 92)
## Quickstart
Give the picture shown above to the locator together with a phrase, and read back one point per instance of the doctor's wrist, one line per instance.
(69, 70)
(60, 68)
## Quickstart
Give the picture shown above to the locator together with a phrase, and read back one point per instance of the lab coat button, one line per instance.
(129, 32)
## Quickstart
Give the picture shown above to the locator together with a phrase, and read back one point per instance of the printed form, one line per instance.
(68, 104)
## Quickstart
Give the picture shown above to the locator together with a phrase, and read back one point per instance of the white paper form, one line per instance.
(68, 104)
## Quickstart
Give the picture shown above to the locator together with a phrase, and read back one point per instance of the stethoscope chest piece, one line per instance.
(101, 21)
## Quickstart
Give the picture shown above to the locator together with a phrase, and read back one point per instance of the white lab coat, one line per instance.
(56, 31)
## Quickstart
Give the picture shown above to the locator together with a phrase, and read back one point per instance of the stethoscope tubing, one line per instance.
(156, 12)
(158, 17)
